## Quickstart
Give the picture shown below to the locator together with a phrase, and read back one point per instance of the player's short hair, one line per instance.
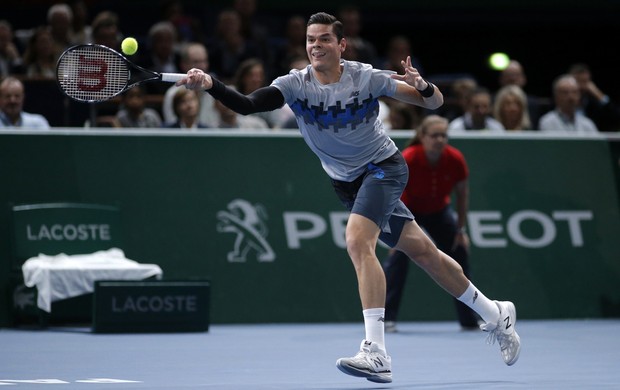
(330, 20)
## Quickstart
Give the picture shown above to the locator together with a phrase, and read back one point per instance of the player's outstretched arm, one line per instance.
(415, 89)
(263, 99)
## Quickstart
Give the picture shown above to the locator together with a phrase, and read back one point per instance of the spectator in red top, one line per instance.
(436, 170)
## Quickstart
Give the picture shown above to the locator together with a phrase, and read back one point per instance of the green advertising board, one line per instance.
(255, 214)
(150, 306)
(55, 228)
(70, 228)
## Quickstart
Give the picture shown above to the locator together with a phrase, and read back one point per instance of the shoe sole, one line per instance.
(376, 377)
(513, 309)
(514, 359)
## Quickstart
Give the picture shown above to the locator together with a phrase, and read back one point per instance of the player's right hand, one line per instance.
(197, 80)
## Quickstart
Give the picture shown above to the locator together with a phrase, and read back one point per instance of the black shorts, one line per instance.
(376, 195)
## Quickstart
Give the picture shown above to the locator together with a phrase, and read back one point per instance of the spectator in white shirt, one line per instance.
(11, 107)
(477, 116)
(566, 115)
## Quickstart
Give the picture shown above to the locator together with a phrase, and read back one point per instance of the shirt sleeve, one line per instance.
(382, 82)
(288, 85)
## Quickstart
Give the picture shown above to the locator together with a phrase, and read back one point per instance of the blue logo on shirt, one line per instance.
(335, 117)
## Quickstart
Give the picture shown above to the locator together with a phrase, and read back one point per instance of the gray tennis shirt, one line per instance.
(339, 121)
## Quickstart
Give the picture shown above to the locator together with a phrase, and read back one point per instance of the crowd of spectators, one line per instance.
(241, 52)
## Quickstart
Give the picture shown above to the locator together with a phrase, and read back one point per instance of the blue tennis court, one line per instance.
(575, 354)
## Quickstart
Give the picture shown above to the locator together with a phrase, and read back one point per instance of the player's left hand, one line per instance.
(411, 76)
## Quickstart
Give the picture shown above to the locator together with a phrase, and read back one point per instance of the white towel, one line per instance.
(66, 276)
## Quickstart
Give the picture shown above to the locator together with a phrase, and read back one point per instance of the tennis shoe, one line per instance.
(371, 362)
(504, 332)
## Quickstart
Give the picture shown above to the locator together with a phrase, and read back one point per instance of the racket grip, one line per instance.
(172, 77)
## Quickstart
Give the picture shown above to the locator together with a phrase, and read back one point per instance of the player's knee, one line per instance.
(358, 248)
(425, 254)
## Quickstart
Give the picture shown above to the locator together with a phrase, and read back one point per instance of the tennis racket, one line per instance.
(95, 73)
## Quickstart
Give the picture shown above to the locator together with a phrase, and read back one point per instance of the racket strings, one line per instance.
(92, 73)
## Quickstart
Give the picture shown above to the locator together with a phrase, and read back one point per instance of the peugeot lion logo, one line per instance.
(247, 222)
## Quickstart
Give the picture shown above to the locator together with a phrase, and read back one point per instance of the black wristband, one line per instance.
(429, 91)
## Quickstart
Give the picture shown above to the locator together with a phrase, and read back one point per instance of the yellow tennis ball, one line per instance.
(499, 61)
(129, 46)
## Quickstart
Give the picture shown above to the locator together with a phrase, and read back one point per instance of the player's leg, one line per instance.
(361, 238)
(443, 269)
(500, 317)
(372, 361)
(466, 316)
(373, 204)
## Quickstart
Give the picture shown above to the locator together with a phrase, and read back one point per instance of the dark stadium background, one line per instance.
(449, 36)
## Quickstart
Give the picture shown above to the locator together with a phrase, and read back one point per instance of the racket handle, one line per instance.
(172, 77)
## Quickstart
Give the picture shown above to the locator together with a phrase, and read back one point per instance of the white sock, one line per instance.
(486, 308)
(373, 322)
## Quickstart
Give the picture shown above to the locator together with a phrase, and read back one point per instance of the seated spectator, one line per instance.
(11, 107)
(134, 113)
(186, 108)
(228, 48)
(595, 104)
(510, 108)
(10, 57)
(478, 114)
(401, 116)
(59, 22)
(81, 31)
(106, 30)
(358, 48)
(399, 47)
(193, 55)
(40, 56)
(160, 54)
(256, 31)
(228, 119)
(566, 116)
(514, 74)
(292, 46)
(249, 77)
(105, 121)
(188, 27)
(456, 99)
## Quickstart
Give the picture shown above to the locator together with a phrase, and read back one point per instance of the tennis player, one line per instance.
(336, 107)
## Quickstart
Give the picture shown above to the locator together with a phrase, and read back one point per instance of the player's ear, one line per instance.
(343, 44)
